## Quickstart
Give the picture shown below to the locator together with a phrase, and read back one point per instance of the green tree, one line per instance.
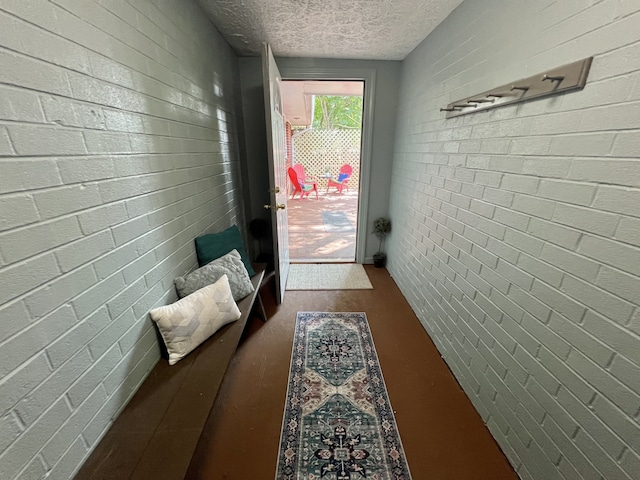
(337, 112)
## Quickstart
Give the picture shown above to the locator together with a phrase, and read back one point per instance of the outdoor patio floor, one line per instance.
(315, 236)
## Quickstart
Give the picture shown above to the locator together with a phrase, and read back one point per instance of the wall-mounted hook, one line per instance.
(565, 78)
(466, 105)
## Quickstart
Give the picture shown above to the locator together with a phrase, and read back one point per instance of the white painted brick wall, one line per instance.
(542, 326)
(110, 164)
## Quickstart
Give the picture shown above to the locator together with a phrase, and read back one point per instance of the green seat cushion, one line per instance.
(214, 245)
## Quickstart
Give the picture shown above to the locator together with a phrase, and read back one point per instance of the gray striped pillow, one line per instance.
(229, 264)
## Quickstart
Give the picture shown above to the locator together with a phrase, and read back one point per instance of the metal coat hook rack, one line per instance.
(569, 77)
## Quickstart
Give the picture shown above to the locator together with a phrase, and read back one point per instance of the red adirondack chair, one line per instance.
(302, 176)
(303, 188)
(343, 178)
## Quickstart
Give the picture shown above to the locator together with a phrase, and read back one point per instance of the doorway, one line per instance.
(324, 120)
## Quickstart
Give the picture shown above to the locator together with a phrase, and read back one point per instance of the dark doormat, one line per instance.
(336, 222)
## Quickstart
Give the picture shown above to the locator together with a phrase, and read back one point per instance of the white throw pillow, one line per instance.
(188, 322)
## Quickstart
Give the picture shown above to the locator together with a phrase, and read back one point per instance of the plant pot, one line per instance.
(379, 259)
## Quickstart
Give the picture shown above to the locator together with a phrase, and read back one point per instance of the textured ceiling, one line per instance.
(357, 29)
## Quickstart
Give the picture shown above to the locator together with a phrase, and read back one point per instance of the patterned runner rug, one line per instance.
(338, 423)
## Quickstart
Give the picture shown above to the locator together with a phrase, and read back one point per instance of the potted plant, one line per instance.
(381, 228)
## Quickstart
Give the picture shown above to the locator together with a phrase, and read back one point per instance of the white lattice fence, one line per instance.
(327, 150)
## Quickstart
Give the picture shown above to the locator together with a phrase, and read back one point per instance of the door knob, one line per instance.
(279, 206)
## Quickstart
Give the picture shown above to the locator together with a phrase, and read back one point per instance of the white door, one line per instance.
(276, 155)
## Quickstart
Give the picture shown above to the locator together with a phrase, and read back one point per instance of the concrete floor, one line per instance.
(443, 436)
(310, 240)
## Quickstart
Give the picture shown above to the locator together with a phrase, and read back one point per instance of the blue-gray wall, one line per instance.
(118, 146)
(517, 230)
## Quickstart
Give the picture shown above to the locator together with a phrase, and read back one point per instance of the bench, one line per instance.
(156, 434)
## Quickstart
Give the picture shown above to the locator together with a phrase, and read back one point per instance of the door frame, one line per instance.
(368, 76)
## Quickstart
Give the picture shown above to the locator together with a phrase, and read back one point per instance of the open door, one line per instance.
(276, 155)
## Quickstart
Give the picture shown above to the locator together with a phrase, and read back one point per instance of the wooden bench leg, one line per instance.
(262, 312)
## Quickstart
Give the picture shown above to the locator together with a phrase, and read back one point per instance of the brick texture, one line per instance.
(539, 322)
(115, 152)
